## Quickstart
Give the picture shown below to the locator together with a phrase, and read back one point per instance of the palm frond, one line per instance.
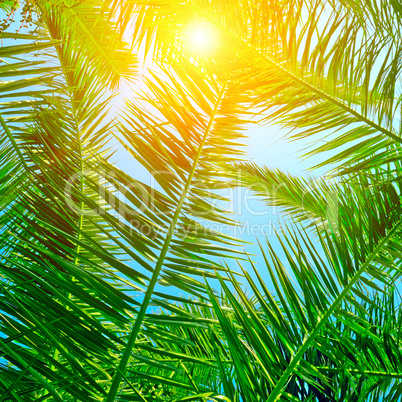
(183, 128)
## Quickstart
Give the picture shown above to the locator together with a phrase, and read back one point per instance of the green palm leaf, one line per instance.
(200, 118)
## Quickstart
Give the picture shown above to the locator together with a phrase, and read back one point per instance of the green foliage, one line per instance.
(86, 247)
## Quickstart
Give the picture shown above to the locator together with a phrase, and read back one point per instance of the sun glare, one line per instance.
(203, 39)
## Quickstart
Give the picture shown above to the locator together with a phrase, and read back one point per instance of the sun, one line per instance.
(203, 38)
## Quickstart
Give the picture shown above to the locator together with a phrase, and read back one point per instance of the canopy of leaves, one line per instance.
(85, 247)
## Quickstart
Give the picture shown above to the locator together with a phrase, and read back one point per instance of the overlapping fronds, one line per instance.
(324, 69)
(330, 330)
(192, 121)
(84, 245)
(63, 296)
(62, 242)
